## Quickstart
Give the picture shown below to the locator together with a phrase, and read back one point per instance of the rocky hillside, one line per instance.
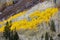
(40, 22)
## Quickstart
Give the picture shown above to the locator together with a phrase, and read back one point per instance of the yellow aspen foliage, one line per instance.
(2, 29)
(37, 17)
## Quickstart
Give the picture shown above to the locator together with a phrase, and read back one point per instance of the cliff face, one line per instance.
(42, 28)
(5, 3)
(20, 5)
(41, 31)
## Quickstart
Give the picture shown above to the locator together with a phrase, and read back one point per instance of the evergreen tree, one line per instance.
(11, 35)
(6, 32)
(42, 37)
(46, 36)
(58, 35)
(51, 38)
(52, 26)
(16, 37)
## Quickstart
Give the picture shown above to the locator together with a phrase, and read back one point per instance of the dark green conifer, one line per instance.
(52, 26)
(16, 37)
(51, 38)
(46, 36)
(6, 32)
